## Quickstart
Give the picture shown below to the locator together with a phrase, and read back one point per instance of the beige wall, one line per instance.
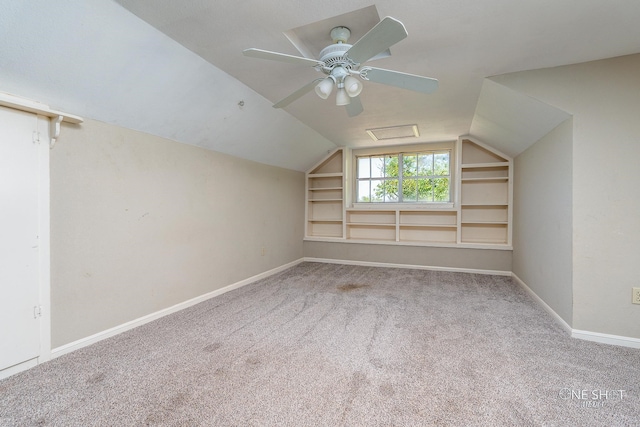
(140, 223)
(603, 98)
(456, 258)
(542, 219)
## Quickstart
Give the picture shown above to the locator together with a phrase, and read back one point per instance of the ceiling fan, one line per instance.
(341, 62)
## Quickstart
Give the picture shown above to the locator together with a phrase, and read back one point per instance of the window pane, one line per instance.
(409, 164)
(377, 167)
(391, 166)
(441, 161)
(441, 189)
(425, 164)
(425, 190)
(364, 167)
(425, 178)
(409, 190)
(377, 190)
(364, 191)
(391, 190)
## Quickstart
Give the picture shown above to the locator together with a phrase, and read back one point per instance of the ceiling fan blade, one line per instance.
(354, 107)
(297, 94)
(282, 57)
(385, 34)
(401, 80)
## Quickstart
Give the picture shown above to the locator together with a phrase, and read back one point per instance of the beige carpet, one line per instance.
(331, 345)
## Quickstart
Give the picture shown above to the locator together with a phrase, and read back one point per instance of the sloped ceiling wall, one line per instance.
(510, 120)
(96, 60)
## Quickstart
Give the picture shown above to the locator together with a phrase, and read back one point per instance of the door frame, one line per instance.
(45, 135)
(44, 235)
(41, 137)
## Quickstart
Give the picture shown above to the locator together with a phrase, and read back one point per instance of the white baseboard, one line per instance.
(575, 333)
(83, 342)
(411, 266)
(606, 338)
(12, 370)
(543, 304)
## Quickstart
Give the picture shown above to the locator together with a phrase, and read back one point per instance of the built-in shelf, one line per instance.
(479, 215)
(485, 194)
(485, 179)
(427, 226)
(484, 165)
(325, 197)
(324, 175)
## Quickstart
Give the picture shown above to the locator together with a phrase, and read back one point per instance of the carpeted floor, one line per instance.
(335, 345)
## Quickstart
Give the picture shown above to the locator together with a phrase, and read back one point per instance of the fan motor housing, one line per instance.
(333, 55)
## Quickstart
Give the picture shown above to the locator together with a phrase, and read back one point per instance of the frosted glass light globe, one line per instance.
(324, 88)
(353, 86)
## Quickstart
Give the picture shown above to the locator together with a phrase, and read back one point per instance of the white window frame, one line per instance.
(404, 149)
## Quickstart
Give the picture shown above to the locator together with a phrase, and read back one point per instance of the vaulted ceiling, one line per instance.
(176, 69)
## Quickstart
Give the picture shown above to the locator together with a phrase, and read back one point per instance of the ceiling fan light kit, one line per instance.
(342, 97)
(352, 86)
(325, 87)
(341, 61)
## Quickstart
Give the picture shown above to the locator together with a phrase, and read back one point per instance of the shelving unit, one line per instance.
(428, 226)
(400, 225)
(371, 224)
(325, 197)
(480, 215)
(485, 194)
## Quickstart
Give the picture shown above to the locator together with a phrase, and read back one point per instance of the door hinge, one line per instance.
(37, 311)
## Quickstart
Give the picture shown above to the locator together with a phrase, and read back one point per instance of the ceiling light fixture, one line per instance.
(324, 88)
(353, 86)
(341, 62)
(338, 67)
(342, 96)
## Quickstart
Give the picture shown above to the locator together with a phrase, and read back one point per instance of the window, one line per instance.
(422, 177)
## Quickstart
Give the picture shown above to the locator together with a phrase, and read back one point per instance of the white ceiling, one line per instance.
(460, 42)
(94, 58)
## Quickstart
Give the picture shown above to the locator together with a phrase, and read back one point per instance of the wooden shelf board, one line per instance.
(484, 165)
(370, 224)
(324, 188)
(371, 239)
(485, 205)
(485, 241)
(324, 175)
(366, 211)
(325, 200)
(324, 220)
(452, 226)
(492, 178)
(485, 223)
(404, 210)
(451, 242)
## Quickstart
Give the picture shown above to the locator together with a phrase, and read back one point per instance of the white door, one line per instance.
(19, 286)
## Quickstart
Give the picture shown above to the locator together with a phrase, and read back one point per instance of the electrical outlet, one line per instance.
(636, 296)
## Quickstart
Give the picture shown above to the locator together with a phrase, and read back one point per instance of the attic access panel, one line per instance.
(394, 132)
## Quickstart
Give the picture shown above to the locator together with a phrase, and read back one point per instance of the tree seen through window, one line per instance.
(404, 178)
